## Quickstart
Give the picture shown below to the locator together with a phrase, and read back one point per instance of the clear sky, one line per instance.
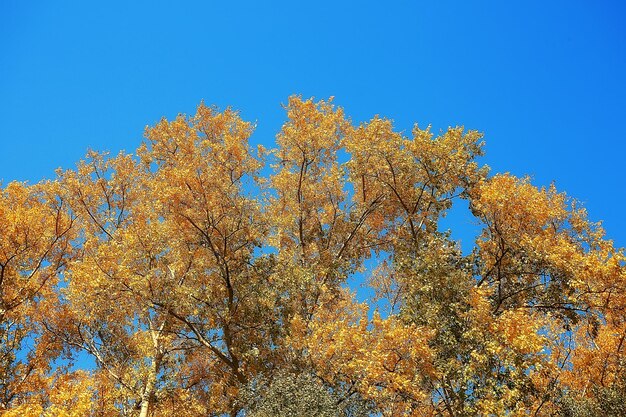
(544, 80)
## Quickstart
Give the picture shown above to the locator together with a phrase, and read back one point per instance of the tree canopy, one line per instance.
(204, 277)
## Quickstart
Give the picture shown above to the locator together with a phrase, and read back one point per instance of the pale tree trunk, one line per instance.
(155, 367)
(148, 393)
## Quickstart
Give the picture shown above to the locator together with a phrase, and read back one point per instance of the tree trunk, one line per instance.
(148, 393)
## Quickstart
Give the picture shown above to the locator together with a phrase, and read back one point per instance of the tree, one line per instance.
(199, 285)
(35, 232)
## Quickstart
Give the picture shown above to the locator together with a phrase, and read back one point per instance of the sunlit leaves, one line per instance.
(197, 287)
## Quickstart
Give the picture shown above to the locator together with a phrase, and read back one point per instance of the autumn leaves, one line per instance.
(197, 287)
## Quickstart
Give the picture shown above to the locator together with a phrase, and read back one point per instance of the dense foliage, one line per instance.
(200, 287)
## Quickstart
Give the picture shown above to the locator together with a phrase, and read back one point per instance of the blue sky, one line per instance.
(545, 81)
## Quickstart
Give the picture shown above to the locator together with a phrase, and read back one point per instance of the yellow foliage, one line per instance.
(188, 277)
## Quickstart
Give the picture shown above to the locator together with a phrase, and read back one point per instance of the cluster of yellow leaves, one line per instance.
(539, 252)
(532, 228)
(35, 231)
(34, 234)
(513, 340)
(309, 185)
(516, 330)
(385, 360)
(410, 178)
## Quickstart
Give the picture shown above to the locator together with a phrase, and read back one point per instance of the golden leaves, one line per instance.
(188, 278)
(386, 360)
